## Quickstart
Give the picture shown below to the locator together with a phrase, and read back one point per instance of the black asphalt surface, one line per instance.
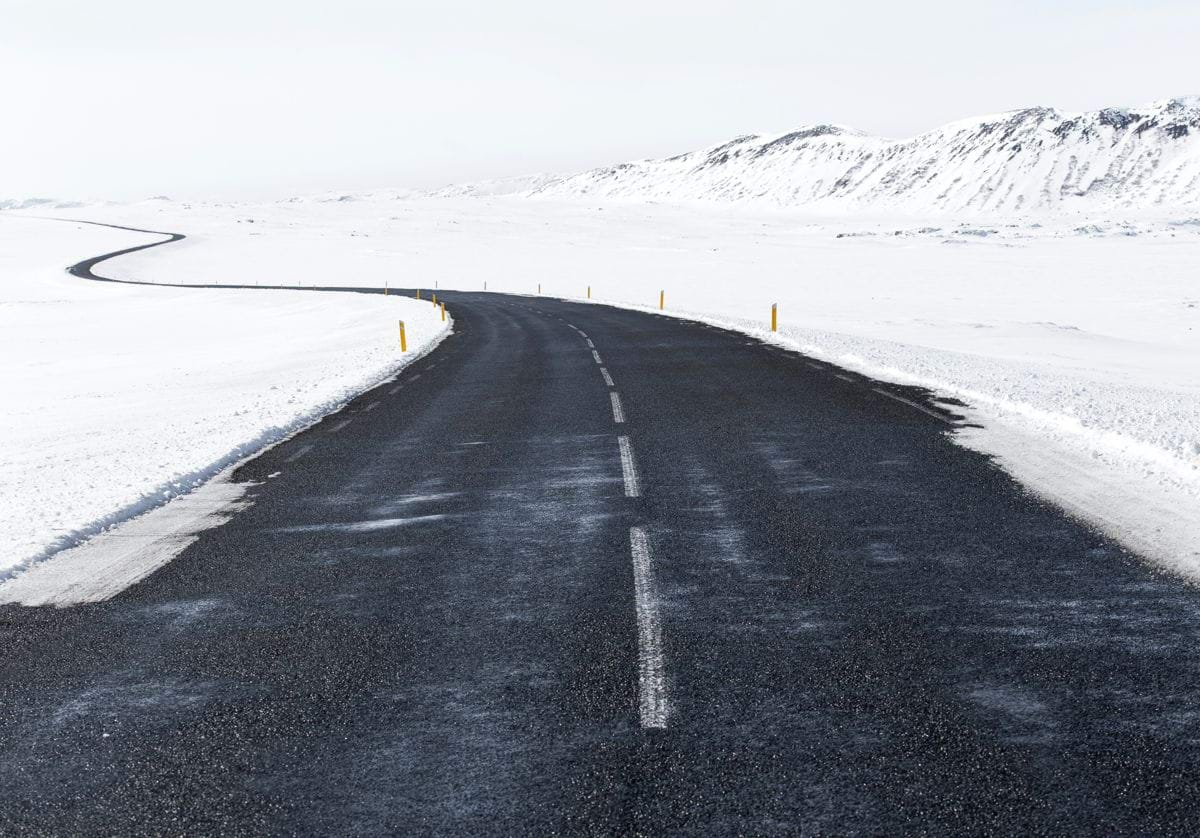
(426, 621)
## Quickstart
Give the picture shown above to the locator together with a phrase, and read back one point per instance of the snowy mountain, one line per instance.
(1033, 159)
(524, 184)
(37, 204)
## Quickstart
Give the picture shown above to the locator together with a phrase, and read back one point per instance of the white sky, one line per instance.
(124, 99)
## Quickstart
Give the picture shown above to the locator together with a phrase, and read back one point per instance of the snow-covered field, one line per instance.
(1076, 340)
(117, 397)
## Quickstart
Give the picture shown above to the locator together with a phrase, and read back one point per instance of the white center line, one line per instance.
(395, 389)
(582, 333)
(633, 488)
(607, 378)
(596, 355)
(652, 682)
(590, 344)
(339, 426)
(299, 454)
(842, 377)
(370, 407)
(414, 376)
(814, 366)
(618, 411)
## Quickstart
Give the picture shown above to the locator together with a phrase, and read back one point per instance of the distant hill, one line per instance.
(1032, 159)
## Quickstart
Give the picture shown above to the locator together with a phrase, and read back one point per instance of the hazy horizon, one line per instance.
(264, 101)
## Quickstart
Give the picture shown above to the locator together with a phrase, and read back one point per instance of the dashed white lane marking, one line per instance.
(339, 426)
(913, 404)
(814, 366)
(652, 682)
(633, 487)
(590, 344)
(618, 411)
(395, 389)
(596, 355)
(607, 378)
(370, 407)
(582, 333)
(414, 376)
(299, 454)
(842, 377)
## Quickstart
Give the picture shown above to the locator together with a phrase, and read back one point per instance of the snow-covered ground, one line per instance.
(1031, 159)
(1076, 340)
(117, 397)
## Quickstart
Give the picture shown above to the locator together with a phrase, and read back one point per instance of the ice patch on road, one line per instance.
(1020, 713)
(365, 526)
(118, 696)
(883, 553)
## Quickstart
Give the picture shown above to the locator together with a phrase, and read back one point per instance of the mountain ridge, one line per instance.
(1029, 159)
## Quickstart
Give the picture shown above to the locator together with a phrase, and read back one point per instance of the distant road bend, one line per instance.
(585, 569)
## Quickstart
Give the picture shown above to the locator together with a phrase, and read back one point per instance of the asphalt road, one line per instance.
(787, 602)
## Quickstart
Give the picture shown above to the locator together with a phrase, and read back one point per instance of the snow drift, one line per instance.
(120, 397)
(1037, 159)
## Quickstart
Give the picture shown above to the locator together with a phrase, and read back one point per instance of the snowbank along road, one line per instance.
(589, 569)
(120, 395)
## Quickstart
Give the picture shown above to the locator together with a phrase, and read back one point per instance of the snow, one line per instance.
(1075, 341)
(118, 397)
(103, 566)
(1036, 159)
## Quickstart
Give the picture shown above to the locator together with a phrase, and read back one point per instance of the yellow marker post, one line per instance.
(418, 293)
(539, 287)
(774, 317)
(589, 292)
(662, 298)
(403, 342)
(435, 299)
(443, 312)
(385, 293)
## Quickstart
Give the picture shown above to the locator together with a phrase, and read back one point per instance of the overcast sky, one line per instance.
(124, 99)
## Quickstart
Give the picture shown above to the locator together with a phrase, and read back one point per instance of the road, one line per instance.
(585, 569)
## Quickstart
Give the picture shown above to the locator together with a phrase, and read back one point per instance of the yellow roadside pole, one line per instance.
(403, 342)
(539, 287)
(662, 299)
(435, 299)
(443, 312)
(589, 292)
(385, 293)
(774, 317)
(418, 293)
